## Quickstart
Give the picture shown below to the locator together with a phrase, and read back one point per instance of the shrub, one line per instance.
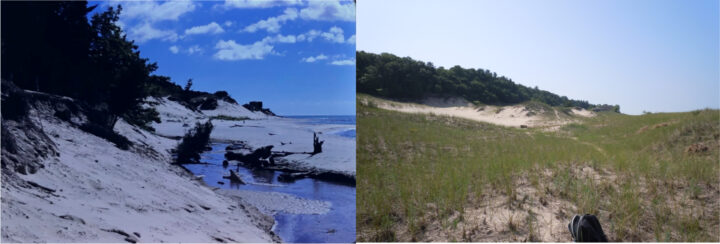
(566, 110)
(225, 97)
(225, 117)
(108, 134)
(14, 104)
(194, 142)
(209, 104)
(142, 118)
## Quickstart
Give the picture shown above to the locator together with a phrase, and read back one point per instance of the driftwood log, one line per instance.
(317, 144)
(258, 158)
(234, 177)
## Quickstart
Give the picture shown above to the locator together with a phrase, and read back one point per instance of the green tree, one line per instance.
(121, 74)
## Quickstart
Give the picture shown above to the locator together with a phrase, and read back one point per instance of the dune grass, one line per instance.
(230, 118)
(414, 165)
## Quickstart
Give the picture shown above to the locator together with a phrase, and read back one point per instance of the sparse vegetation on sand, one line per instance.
(652, 177)
(193, 143)
(231, 118)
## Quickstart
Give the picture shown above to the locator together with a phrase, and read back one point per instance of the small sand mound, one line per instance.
(660, 125)
(655, 126)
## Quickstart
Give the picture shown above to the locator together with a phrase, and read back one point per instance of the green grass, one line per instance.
(408, 161)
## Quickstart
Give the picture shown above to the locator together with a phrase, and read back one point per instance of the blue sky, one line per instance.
(297, 57)
(645, 55)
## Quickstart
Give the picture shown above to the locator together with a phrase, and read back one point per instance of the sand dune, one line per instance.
(512, 116)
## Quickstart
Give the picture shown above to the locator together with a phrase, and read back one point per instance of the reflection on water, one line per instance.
(263, 176)
(325, 119)
(347, 133)
(338, 225)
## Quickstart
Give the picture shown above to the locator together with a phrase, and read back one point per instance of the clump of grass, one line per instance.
(230, 118)
(193, 143)
(108, 134)
(661, 215)
(627, 211)
(691, 229)
(536, 106)
(574, 127)
(532, 232)
(512, 225)
(566, 110)
(142, 117)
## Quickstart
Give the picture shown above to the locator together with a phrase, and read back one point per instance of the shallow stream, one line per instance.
(337, 225)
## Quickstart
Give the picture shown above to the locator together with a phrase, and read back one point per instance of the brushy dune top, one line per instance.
(389, 76)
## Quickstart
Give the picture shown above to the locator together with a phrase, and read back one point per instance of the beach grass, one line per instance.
(419, 169)
(230, 118)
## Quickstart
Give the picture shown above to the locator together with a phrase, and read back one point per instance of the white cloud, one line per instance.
(230, 50)
(280, 38)
(190, 50)
(137, 18)
(343, 62)
(313, 59)
(334, 35)
(194, 49)
(329, 10)
(144, 32)
(273, 24)
(228, 23)
(153, 11)
(309, 36)
(259, 3)
(212, 28)
(351, 40)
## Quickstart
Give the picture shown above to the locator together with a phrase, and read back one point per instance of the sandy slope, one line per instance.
(285, 134)
(98, 188)
(513, 116)
(275, 202)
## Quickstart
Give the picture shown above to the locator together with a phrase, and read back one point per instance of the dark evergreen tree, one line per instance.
(120, 73)
(51, 47)
(188, 85)
(45, 45)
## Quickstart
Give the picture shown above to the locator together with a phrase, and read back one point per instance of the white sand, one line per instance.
(277, 202)
(99, 187)
(512, 116)
(583, 112)
(285, 134)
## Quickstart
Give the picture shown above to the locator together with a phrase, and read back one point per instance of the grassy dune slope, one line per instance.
(433, 178)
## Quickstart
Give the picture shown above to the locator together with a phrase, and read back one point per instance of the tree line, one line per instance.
(390, 76)
(53, 47)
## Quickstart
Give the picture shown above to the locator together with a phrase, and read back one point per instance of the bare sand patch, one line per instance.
(583, 112)
(512, 116)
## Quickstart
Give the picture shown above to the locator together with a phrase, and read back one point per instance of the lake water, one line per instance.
(338, 225)
(330, 119)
